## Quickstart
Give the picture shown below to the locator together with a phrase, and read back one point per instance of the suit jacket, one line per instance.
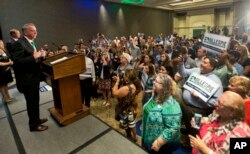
(9, 45)
(27, 69)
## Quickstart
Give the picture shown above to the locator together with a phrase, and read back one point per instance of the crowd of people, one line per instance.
(160, 67)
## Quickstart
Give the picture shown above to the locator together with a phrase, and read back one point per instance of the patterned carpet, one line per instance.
(107, 114)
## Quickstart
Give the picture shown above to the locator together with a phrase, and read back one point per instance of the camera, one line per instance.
(114, 74)
(197, 120)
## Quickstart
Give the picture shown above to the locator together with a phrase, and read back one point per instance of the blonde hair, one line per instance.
(244, 53)
(242, 85)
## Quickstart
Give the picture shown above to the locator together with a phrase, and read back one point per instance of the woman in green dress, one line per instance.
(161, 118)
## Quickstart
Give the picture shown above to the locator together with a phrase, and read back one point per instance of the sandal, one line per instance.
(104, 103)
(107, 104)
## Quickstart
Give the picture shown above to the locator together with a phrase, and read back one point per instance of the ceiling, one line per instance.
(178, 5)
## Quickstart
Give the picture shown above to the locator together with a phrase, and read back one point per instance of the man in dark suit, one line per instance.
(27, 60)
(14, 36)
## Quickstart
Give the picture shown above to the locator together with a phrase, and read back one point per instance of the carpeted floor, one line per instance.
(91, 134)
(107, 114)
(17, 111)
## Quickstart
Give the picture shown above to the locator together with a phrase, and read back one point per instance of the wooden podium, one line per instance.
(63, 71)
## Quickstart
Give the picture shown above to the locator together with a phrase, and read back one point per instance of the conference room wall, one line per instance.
(242, 16)
(64, 21)
(203, 19)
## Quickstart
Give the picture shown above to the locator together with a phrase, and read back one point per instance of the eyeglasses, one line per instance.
(157, 81)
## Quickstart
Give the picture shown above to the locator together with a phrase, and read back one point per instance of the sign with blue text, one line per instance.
(201, 85)
(215, 43)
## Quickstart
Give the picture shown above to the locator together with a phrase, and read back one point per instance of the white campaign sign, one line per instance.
(203, 86)
(215, 43)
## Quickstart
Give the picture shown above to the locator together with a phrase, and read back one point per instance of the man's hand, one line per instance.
(37, 55)
(194, 94)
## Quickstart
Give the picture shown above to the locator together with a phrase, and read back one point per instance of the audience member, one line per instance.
(192, 102)
(105, 77)
(161, 118)
(158, 50)
(167, 69)
(224, 70)
(233, 59)
(145, 59)
(127, 108)
(164, 59)
(124, 65)
(5, 73)
(201, 53)
(234, 44)
(244, 59)
(224, 123)
(87, 80)
(134, 51)
(147, 92)
(244, 39)
(170, 50)
(98, 69)
(14, 36)
(241, 86)
(188, 61)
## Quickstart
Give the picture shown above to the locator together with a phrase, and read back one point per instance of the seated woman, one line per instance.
(241, 86)
(224, 123)
(127, 107)
(161, 118)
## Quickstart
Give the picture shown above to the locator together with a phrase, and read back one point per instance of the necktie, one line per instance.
(33, 45)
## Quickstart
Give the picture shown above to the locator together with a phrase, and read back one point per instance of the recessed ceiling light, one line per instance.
(132, 1)
(181, 3)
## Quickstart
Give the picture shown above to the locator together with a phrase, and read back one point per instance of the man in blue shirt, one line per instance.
(192, 102)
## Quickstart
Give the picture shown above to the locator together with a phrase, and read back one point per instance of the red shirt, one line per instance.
(247, 111)
(217, 136)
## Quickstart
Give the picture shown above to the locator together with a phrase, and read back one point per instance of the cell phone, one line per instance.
(197, 120)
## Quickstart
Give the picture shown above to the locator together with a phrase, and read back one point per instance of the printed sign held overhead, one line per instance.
(215, 43)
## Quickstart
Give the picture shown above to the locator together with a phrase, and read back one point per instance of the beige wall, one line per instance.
(224, 17)
(202, 19)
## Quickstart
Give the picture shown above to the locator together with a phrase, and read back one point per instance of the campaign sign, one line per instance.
(203, 86)
(215, 43)
(239, 145)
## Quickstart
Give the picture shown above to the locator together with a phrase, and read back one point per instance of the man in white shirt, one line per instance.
(87, 79)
